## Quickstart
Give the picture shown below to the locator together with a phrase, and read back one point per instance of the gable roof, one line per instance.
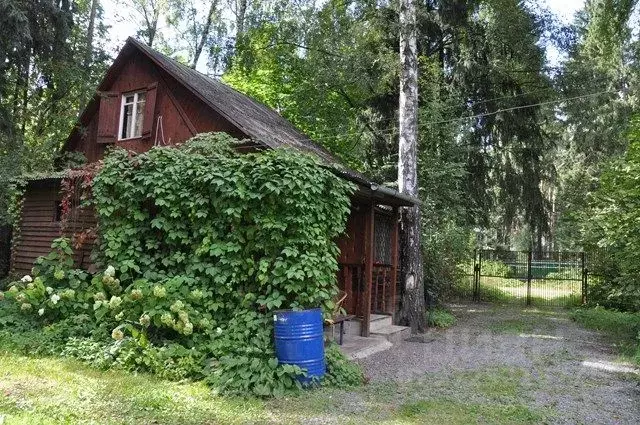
(253, 118)
(258, 121)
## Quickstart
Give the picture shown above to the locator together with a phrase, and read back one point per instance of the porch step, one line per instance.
(357, 347)
(392, 333)
(378, 321)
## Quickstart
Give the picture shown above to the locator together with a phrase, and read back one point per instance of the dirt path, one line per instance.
(539, 358)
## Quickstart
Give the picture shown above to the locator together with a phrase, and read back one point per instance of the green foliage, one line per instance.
(199, 246)
(340, 371)
(56, 290)
(445, 249)
(611, 230)
(495, 268)
(441, 318)
(48, 70)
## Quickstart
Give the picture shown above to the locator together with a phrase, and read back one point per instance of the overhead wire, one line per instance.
(475, 103)
(422, 125)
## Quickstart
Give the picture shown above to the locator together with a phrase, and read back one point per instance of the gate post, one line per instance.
(476, 274)
(529, 257)
(584, 277)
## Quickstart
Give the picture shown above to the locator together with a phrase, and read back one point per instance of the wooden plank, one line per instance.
(368, 269)
(384, 289)
(22, 243)
(394, 258)
(45, 234)
(33, 225)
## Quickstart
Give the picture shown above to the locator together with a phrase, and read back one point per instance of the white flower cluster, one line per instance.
(145, 320)
(110, 271)
(26, 279)
(117, 334)
(159, 291)
(115, 302)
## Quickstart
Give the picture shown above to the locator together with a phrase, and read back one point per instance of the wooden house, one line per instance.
(148, 99)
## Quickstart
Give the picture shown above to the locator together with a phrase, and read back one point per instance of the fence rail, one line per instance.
(526, 277)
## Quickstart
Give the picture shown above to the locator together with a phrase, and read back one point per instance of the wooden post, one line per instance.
(394, 258)
(529, 277)
(584, 276)
(348, 289)
(368, 269)
(384, 289)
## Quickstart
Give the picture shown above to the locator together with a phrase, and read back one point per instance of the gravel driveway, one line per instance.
(557, 365)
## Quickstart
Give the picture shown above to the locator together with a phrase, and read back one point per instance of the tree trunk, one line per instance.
(90, 31)
(151, 20)
(413, 305)
(241, 11)
(205, 33)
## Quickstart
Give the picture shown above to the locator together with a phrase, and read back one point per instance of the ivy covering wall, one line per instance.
(199, 245)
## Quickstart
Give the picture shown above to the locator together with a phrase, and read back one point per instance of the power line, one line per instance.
(474, 103)
(482, 115)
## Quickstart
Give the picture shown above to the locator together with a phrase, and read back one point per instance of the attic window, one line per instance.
(132, 115)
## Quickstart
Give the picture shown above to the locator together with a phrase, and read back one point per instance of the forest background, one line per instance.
(525, 119)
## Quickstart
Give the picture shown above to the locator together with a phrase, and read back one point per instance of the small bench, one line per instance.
(339, 319)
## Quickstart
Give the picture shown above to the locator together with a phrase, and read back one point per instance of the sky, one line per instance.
(117, 16)
(564, 8)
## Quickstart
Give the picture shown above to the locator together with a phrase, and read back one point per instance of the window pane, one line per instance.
(139, 115)
(128, 99)
(126, 121)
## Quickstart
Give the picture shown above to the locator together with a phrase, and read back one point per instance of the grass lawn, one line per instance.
(63, 391)
(622, 327)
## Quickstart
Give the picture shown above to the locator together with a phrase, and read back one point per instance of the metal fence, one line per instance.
(524, 277)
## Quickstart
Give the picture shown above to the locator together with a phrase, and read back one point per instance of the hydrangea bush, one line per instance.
(198, 247)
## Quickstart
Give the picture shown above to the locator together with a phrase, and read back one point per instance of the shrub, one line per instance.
(340, 371)
(440, 318)
(610, 228)
(199, 247)
(495, 268)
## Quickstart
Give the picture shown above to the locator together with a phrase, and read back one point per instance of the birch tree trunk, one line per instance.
(413, 306)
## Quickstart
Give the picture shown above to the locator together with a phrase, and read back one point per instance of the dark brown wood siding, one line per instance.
(178, 114)
(37, 228)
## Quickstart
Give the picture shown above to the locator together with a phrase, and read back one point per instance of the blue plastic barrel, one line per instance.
(300, 341)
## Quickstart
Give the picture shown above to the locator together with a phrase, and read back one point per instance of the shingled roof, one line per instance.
(258, 121)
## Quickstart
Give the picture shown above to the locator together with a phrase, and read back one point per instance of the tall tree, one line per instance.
(194, 22)
(413, 303)
(47, 67)
(147, 15)
(602, 63)
(91, 31)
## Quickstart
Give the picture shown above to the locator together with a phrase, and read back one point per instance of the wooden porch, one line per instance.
(368, 262)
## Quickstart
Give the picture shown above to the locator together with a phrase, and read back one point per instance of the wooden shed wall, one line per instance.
(38, 228)
(351, 243)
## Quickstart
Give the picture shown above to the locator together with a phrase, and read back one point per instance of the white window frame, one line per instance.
(134, 114)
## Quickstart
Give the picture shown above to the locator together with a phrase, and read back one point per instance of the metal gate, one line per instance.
(525, 277)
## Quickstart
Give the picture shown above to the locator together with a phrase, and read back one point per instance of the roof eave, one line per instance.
(376, 193)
